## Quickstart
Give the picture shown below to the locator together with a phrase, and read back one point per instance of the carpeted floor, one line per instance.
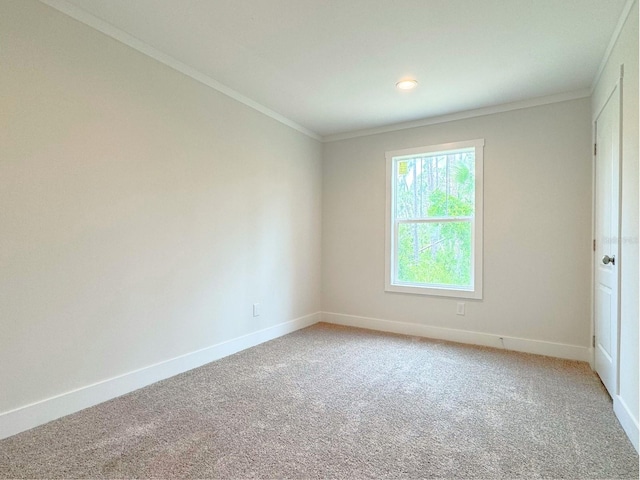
(335, 402)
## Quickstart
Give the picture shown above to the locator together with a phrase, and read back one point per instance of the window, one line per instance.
(434, 220)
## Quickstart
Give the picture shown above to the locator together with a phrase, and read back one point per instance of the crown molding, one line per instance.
(479, 112)
(106, 28)
(612, 43)
(96, 23)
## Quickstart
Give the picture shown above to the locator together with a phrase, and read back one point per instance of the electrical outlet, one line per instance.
(256, 309)
(460, 308)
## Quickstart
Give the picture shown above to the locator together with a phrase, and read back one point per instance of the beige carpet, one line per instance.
(333, 402)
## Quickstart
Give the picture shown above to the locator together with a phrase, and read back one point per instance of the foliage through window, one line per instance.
(434, 220)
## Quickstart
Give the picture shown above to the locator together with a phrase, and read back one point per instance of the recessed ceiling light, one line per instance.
(407, 84)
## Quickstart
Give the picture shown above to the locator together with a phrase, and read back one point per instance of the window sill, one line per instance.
(434, 291)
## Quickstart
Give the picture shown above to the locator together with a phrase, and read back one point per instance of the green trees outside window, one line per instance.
(434, 215)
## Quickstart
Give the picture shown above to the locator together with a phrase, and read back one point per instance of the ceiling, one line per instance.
(331, 66)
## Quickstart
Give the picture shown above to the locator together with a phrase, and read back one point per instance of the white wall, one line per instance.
(625, 52)
(537, 229)
(141, 212)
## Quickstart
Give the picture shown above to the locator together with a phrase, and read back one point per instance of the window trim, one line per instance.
(477, 222)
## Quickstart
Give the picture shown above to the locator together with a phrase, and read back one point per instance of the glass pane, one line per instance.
(437, 253)
(441, 185)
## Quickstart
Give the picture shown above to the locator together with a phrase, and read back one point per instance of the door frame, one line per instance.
(594, 261)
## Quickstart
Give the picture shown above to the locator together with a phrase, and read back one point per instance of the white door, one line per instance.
(606, 259)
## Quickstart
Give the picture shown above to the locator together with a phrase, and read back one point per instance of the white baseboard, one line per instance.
(626, 419)
(39, 413)
(550, 349)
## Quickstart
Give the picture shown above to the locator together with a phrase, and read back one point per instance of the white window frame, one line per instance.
(391, 253)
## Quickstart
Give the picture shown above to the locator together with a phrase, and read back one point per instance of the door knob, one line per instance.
(607, 259)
